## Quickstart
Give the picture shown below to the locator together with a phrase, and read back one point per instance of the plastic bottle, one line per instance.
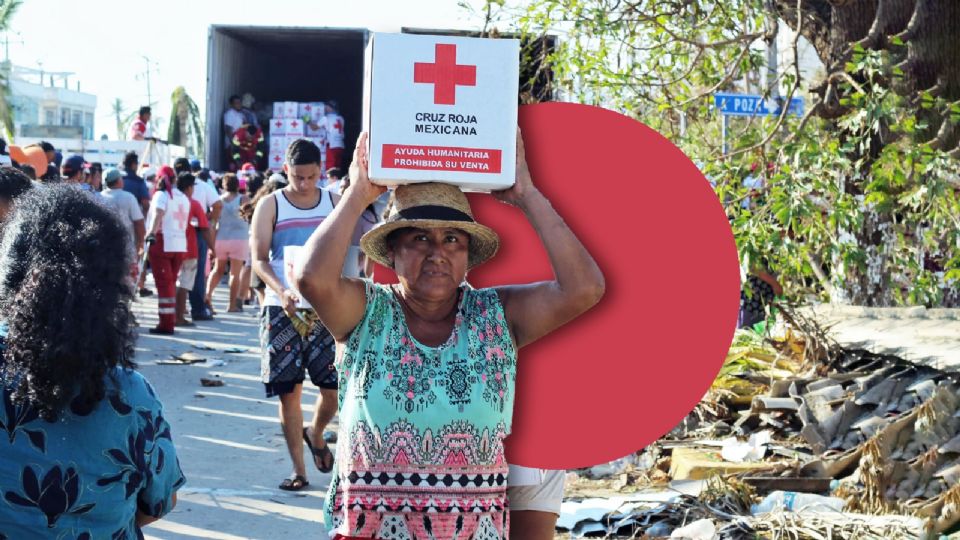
(797, 502)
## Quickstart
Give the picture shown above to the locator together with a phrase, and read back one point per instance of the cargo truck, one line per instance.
(306, 64)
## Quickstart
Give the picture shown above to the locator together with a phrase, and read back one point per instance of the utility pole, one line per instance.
(771, 26)
(147, 74)
(6, 44)
(151, 65)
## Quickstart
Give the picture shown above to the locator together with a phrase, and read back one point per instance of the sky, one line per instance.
(104, 42)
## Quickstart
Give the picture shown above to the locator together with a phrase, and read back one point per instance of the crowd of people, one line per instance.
(420, 373)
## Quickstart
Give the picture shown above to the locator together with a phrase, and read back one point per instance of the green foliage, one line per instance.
(7, 10)
(186, 127)
(854, 208)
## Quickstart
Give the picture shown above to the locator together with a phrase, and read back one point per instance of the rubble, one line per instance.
(800, 414)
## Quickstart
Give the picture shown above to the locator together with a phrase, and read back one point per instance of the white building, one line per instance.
(45, 105)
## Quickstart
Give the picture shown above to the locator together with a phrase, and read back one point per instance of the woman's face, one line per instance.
(430, 263)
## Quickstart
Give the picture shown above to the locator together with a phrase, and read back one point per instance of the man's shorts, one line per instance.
(188, 274)
(546, 496)
(287, 357)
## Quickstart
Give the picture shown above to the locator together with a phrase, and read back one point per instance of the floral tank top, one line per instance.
(420, 453)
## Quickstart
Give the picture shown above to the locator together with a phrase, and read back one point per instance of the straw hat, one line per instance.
(428, 206)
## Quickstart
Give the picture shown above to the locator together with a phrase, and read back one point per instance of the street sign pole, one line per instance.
(723, 132)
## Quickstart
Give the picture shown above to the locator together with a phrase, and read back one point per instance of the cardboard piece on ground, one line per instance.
(694, 464)
(442, 109)
(186, 358)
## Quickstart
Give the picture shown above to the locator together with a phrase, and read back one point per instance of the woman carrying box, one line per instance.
(426, 367)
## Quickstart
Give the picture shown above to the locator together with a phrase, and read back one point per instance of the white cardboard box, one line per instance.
(319, 141)
(287, 127)
(312, 110)
(442, 109)
(317, 134)
(318, 112)
(285, 109)
(278, 144)
(275, 160)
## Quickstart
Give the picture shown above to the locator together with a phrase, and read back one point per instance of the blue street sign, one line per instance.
(753, 105)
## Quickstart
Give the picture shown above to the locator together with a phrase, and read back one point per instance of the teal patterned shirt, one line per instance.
(84, 476)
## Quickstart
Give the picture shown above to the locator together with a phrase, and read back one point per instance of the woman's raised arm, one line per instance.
(339, 301)
(536, 309)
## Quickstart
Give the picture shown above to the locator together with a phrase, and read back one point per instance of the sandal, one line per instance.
(294, 483)
(322, 453)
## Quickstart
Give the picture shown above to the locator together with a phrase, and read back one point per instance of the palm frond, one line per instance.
(186, 127)
(6, 105)
(7, 10)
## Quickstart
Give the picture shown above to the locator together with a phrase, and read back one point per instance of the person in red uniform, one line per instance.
(140, 129)
(247, 146)
(168, 219)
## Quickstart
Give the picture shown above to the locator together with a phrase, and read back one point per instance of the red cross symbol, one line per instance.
(294, 124)
(338, 126)
(445, 74)
(278, 124)
(181, 217)
(276, 159)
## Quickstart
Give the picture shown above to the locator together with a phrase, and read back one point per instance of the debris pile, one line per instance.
(796, 418)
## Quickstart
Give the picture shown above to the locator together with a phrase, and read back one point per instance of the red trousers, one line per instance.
(333, 157)
(165, 267)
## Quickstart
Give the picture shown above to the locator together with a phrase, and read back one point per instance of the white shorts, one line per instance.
(188, 274)
(546, 496)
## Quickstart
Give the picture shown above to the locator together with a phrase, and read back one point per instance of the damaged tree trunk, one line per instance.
(922, 38)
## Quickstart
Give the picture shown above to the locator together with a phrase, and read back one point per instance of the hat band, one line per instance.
(431, 211)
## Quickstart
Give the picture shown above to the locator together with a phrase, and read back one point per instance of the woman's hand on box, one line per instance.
(360, 184)
(523, 189)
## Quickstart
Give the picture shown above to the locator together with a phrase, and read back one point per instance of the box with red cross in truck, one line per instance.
(312, 64)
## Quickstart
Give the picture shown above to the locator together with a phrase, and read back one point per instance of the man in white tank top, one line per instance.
(293, 340)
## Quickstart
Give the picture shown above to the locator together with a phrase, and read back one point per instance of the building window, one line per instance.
(64, 117)
(88, 120)
(77, 119)
(49, 117)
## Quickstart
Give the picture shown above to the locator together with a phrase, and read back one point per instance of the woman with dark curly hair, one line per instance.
(85, 451)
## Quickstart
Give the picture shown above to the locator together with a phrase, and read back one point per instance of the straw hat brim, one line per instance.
(484, 242)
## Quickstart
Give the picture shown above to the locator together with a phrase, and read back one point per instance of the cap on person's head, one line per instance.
(195, 165)
(248, 167)
(72, 165)
(111, 176)
(181, 164)
(166, 171)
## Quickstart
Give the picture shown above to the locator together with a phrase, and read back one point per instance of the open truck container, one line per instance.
(284, 64)
(308, 64)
